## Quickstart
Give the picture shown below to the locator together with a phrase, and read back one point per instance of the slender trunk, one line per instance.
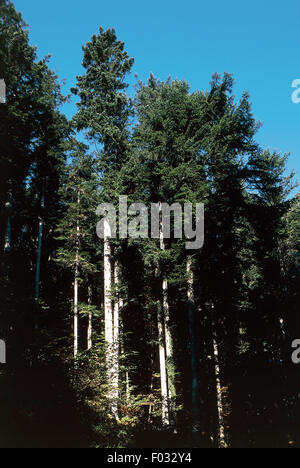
(8, 206)
(221, 423)
(127, 386)
(117, 305)
(162, 359)
(168, 336)
(90, 321)
(7, 241)
(116, 340)
(76, 285)
(107, 288)
(152, 367)
(108, 312)
(76, 310)
(163, 368)
(127, 379)
(194, 366)
(38, 262)
(39, 251)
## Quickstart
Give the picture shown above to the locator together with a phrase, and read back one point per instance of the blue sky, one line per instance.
(257, 41)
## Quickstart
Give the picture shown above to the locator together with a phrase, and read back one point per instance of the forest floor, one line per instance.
(38, 413)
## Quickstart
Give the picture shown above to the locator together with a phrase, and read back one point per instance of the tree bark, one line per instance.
(221, 424)
(127, 378)
(193, 348)
(8, 206)
(76, 282)
(39, 251)
(163, 368)
(75, 318)
(167, 334)
(116, 321)
(109, 323)
(7, 241)
(38, 261)
(90, 321)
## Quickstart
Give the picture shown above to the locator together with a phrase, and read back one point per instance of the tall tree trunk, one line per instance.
(116, 340)
(127, 378)
(38, 260)
(90, 321)
(168, 335)
(75, 318)
(221, 424)
(163, 368)
(39, 251)
(76, 282)
(108, 313)
(8, 206)
(152, 367)
(193, 348)
(7, 241)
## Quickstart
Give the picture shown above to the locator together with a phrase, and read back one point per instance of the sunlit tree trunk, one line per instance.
(108, 309)
(8, 206)
(152, 382)
(116, 321)
(90, 321)
(108, 317)
(127, 385)
(221, 424)
(75, 318)
(38, 259)
(163, 368)
(76, 282)
(7, 241)
(192, 323)
(39, 251)
(168, 336)
(122, 346)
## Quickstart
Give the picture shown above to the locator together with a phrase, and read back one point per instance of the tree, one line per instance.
(104, 111)
(76, 229)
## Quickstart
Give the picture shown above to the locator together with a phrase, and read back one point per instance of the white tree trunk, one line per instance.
(109, 322)
(39, 252)
(107, 287)
(116, 305)
(7, 241)
(8, 206)
(127, 386)
(221, 423)
(127, 378)
(194, 367)
(116, 341)
(75, 318)
(163, 369)
(38, 258)
(168, 335)
(90, 321)
(76, 282)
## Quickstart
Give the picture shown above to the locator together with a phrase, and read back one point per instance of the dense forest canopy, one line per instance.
(141, 342)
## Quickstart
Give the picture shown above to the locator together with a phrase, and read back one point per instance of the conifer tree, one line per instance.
(104, 112)
(76, 230)
(147, 341)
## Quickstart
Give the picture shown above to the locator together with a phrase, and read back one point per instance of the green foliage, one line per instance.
(167, 145)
